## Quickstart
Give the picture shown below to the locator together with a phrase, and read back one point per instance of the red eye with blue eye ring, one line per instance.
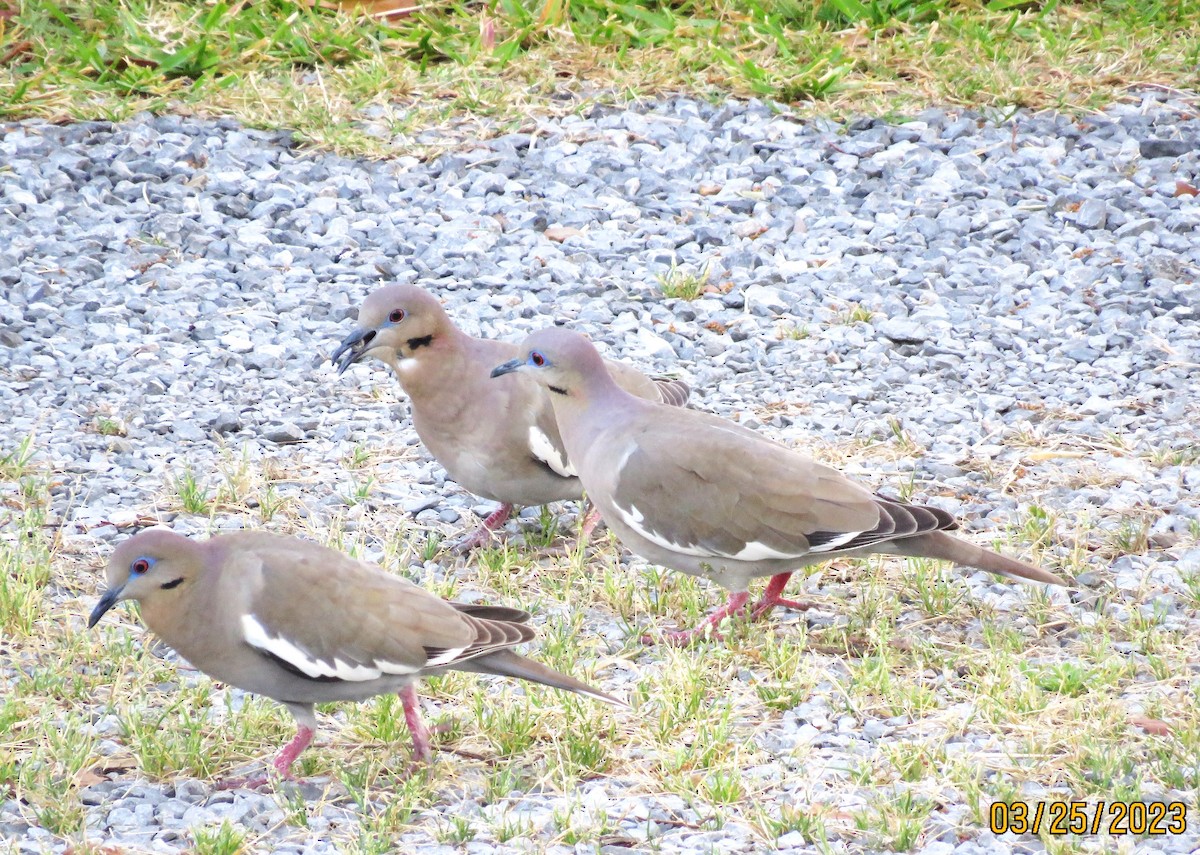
(537, 359)
(396, 316)
(139, 567)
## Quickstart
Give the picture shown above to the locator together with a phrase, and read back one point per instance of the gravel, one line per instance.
(187, 279)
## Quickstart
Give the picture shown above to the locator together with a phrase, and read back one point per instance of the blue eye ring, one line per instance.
(536, 359)
(140, 565)
(396, 316)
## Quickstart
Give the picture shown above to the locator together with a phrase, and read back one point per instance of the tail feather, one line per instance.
(509, 664)
(672, 392)
(486, 611)
(938, 544)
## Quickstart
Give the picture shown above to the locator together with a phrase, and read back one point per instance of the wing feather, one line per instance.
(705, 486)
(330, 616)
(708, 484)
(327, 616)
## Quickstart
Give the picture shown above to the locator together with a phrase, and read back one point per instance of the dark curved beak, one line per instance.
(352, 348)
(109, 599)
(508, 367)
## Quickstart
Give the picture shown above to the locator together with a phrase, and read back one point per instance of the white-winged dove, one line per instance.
(699, 494)
(496, 440)
(304, 624)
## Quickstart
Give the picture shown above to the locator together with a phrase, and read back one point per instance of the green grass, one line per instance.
(17, 463)
(225, 839)
(274, 64)
(791, 331)
(1042, 693)
(683, 283)
(851, 314)
(24, 574)
(894, 822)
(976, 699)
(106, 426)
(192, 493)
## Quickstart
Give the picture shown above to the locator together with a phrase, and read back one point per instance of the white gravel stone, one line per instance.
(188, 277)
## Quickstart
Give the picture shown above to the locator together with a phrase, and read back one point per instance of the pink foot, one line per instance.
(707, 629)
(242, 783)
(771, 599)
(590, 520)
(483, 534)
(283, 763)
(422, 751)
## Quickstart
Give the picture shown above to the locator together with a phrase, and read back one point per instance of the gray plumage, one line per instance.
(304, 624)
(705, 496)
(498, 440)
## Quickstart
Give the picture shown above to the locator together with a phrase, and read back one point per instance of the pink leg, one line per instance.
(590, 520)
(737, 602)
(416, 727)
(771, 599)
(283, 763)
(289, 753)
(483, 534)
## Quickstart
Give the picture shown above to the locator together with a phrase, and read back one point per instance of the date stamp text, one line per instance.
(1114, 818)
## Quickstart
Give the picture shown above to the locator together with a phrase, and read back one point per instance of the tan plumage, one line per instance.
(705, 496)
(497, 440)
(304, 624)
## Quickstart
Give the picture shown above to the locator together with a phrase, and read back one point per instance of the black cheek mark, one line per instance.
(558, 390)
(422, 341)
(174, 583)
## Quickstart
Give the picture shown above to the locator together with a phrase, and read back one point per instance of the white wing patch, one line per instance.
(753, 551)
(257, 636)
(756, 551)
(448, 656)
(832, 545)
(544, 450)
(633, 518)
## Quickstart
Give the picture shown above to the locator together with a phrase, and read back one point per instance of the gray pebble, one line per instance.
(940, 276)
